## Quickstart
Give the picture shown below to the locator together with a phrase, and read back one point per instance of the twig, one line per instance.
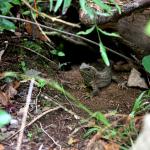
(28, 100)
(67, 33)
(43, 33)
(42, 56)
(36, 101)
(41, 146)
(58, 104)
(53, 19)
(50, 137)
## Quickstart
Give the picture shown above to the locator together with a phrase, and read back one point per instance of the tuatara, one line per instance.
(95, 78)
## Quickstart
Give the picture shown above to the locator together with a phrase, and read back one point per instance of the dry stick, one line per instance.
(67, 33)
(50, 137)
(29, 49)
(43, 33)
(53, 19)
(28, 100)
(67, 110)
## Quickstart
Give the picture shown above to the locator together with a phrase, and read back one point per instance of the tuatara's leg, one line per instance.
(95, 90)
(122, 85)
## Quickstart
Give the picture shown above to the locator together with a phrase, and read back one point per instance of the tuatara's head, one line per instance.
(88, 73)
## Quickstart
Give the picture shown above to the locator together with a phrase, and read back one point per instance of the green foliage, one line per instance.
(147, 29)
(106, 9)
(41, 83)
(108, 34)
(36, 46)
(100, 117)
(104, 54)
(91, 131)
(5, 6)
(58, 51)
(58, 4)
(88, 31)
(116, 5)
(4, 118)
(30, 136)
(66, 4)
(141, 104)
(101, 46)
(146, 63)
(84, 5)
(23, 66)
(146, 59)
(6, 24)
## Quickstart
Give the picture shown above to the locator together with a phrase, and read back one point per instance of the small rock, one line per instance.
(3, 130)
(37, 111)
(32, 73)
(14, 124)
(135, 80)
(143, 140)
(20, 112)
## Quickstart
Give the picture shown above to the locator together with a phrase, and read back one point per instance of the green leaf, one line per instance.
(58, 4)
(66, 4)
(86, 9)
(16, 2)
(104, 54)
(99, 116)
(61, 54)
(83, 5)
(102, 5)
(4, 118)
(57, 53)
(50, 5)
(41, 83)
(146, 63)
(108, 34)
(6, 24)
(26, 12)
(91, 131)
(88, 31)
(147, 29)
(116, 5)
(5, 7)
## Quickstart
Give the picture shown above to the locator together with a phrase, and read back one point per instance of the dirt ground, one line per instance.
(59, 125)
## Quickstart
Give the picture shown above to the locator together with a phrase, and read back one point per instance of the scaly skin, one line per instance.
(94, 78)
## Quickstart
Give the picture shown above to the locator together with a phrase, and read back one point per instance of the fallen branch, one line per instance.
(53, 19)
(24, 118)
(66, 33)
(50, 137)
(127, 9)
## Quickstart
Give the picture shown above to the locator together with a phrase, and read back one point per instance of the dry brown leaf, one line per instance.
(2, 75)
(112, 146)
(98, 143)
(1, 147)
(34, 31)
(4, 99)
(10, 89)
(72, 141)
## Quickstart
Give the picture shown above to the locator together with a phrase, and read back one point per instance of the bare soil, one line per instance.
(60, 125)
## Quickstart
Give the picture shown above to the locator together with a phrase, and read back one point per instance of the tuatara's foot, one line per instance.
(123, 85)
(95, 92)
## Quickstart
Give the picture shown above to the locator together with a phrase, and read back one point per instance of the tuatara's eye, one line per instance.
(88, 69)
